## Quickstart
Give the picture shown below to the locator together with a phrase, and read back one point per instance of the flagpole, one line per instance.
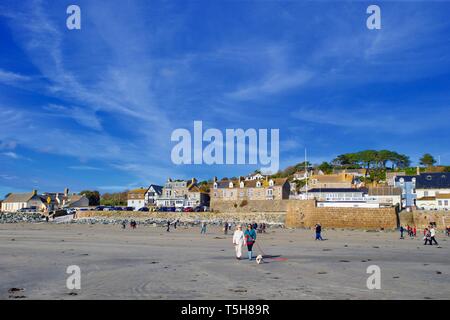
(306, 172)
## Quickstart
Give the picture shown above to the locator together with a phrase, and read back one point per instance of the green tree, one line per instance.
(325, 167)
(427, 160)
(93, 196)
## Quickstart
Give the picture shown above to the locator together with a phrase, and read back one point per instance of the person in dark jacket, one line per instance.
(250, 238)
(318, 232)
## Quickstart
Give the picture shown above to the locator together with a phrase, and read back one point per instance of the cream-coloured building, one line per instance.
(240, 189)
(136, 198)
(16, 201)
(47, 201)
(327, 181)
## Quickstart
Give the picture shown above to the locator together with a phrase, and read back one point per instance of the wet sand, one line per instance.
(149, 263)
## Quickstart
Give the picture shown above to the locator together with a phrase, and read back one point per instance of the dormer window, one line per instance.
(215, 185)
(230, 184)
(429, 178)
(241, 184)
(258, 184)
(271, 183)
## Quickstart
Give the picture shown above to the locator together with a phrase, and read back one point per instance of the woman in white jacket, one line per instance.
(238, 241)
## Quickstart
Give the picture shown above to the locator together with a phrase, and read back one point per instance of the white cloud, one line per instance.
(11, 77)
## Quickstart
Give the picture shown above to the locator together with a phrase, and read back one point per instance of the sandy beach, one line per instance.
(150, 263)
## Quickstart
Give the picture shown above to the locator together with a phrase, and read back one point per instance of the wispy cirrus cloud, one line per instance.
(12, 78)
(85, 168)
(274, 83)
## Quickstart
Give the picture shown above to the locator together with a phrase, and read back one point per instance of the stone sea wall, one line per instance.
(271, 218)
(305, 214)
(422, 218)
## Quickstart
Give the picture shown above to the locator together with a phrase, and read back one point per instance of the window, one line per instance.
(445, 202)
(425, 193)
(440, 203)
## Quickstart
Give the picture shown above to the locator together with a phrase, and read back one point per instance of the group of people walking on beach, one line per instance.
(412, 231)
(429, 233)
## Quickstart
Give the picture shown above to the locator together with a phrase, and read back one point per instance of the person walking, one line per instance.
(168, 226)
(203, 230)
(415, 231)
(318, 232)
(124, 224)
(427, 236)
(238, 241)
(433, 235)
(175, 224)
(250, 238)
(401, 232)
(225, 228)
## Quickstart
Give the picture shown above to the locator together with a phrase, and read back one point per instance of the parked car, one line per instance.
(171, 209)
(27, 210)
(129, 208)
(201, 208)
(144, 209)
(71, 210)
(99, 208)
(188, 209)
(179, 209)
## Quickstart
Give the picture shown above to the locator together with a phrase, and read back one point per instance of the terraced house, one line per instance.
(240, 189)
(182, 193)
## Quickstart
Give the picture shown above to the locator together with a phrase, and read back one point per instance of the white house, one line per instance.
(255, 176)
(16, 201)
(440, 201)
(153, 193)
(136, 198)
(429, 184)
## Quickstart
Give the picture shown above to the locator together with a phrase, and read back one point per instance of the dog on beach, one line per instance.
(259, 259)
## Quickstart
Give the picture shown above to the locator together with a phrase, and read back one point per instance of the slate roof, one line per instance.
(18, 197)
(405, 178)
(158, 189)
(250, 183)
(339, 190)
(384, 191)
(438, 180)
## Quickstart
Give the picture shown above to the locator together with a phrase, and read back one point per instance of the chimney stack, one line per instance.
(66, 192)
(34, 192)
(215, 179)
(418, 170)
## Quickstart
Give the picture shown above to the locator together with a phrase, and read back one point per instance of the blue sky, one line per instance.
(94, 108)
